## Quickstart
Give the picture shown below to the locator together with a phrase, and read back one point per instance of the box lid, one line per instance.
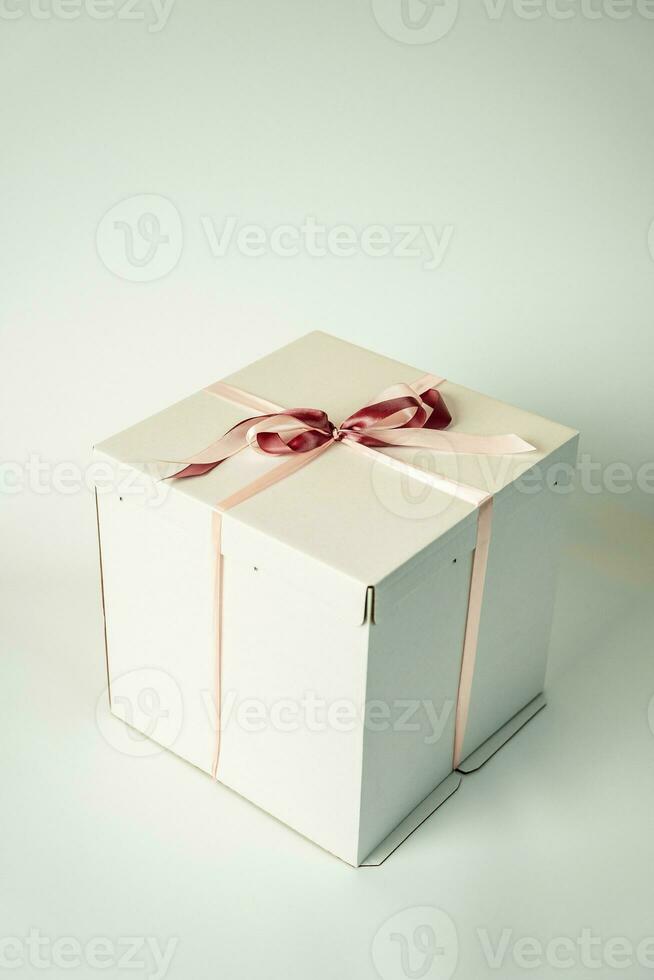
(343, 522)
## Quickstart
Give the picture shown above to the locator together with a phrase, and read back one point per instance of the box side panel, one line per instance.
(518, 601)
(293, 697)
(413, 675)
(293, 673)
(158, 570)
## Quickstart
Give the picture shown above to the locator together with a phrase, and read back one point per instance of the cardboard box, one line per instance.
(341, 603)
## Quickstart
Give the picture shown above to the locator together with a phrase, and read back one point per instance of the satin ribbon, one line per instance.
(402, 415)
(406, 415)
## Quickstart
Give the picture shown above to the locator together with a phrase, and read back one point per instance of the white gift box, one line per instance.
(324, 619)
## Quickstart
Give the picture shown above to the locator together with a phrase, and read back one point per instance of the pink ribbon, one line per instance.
(412, 415)
(402, 415)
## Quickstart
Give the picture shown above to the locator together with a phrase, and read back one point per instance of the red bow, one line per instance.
(300, 430)
(402, 415)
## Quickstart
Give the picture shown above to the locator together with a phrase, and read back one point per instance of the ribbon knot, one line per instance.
(402, 415)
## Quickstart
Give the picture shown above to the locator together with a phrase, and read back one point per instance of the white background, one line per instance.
(532, 140)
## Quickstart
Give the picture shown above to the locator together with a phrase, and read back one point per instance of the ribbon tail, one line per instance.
(454, 442)
(193, 469)
(215, 453)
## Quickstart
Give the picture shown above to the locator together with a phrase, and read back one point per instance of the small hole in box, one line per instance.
(556, 483)
(120, 498)
(254, 568)
(454, 561)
